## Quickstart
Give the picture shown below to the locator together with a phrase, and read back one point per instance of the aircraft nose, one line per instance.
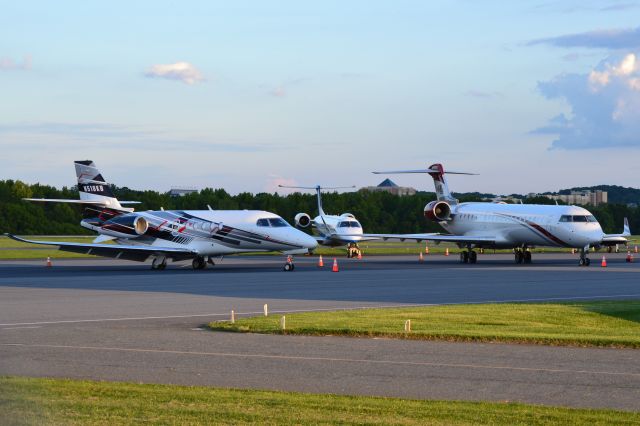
(309, 242)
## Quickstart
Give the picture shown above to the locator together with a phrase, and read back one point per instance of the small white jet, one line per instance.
(516, 226)
(333, 230)
(160, 235)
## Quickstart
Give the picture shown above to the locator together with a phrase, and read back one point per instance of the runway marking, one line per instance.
(326, 359)
(19, 328)
(342, 308)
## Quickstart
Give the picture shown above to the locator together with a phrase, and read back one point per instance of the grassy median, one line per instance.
(608, 324)
(25, 401)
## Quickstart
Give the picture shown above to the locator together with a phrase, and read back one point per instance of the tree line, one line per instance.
(379, 212)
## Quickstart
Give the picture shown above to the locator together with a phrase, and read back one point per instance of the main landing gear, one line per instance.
(198, 263)
(522, 255)
(468, 256)
(353, 250)
(159, 263)
(584, 260)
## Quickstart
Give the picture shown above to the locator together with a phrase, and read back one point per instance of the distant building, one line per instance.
(388, 185)
(180, 192)
(585, 198)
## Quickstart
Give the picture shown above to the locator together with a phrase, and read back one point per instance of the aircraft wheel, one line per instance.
(289, 267)
(198, 263)
(158, 264)
(527, 257)
(464, 257)
(587, 261)
(473, 257)
(519, 257)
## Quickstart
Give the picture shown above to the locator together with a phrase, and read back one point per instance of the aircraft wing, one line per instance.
(436, 237)
(58, 200)
(118, 251)
(613, 239)
(344, 239)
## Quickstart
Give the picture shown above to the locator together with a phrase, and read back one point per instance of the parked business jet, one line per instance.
(515, 226)
(199, 235)
(333, 230)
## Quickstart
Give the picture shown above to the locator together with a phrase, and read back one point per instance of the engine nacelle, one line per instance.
(127, 224)
(302, 220)
(437, 211)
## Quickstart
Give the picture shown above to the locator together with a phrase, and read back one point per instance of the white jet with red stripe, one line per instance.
(499, 225)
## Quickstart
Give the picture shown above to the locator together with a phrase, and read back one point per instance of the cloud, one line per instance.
(600, 39)
(483, 95)
(604, 103)
(619, 6)
(8, 64)
(81, 136)
(181, 71)
(278, 92)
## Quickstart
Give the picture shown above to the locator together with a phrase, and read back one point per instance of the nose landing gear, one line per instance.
(584, 260)
(289, 266)
(353, 250)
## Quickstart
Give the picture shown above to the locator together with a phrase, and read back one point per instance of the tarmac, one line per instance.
(117, 320)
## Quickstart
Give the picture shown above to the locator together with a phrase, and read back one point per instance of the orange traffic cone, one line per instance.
(446, 251)
(604, 262)
(359, 255)
(49, 264)
(335, 265)
(426, 249)
(320, 262)
(629, 257)
(420, 257)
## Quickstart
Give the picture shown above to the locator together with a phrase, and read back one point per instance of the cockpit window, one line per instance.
(277, 222)
(579, 218)
(274, 222)
(565, 218)
(591, 218)
(349, 224)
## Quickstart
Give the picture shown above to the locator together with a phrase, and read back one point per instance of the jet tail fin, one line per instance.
(437, 172)
(93, 189)
(626, 231)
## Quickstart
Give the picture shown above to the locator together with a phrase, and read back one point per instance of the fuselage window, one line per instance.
(262, 222)
(565, 218)
(277, 222)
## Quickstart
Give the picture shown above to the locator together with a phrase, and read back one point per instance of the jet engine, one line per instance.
(302, 220)
(437, 211)
(128, 224)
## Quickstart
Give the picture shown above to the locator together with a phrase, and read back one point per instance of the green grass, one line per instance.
(69, 402)
(11, 249)
(611, 324)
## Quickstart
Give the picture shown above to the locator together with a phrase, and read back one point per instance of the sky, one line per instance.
(532, 95)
